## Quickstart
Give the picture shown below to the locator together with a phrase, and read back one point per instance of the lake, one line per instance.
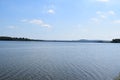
(20, 60)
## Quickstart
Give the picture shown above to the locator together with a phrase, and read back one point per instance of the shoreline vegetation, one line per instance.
(6, 38)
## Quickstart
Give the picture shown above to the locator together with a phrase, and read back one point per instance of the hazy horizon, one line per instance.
(60, 19)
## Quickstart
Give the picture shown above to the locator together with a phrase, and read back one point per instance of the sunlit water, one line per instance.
(58, 61)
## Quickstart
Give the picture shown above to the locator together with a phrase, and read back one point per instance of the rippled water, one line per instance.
(58, 61)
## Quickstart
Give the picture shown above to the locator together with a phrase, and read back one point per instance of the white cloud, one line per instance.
(46, 25)
(37, 22)
(103, 0)
(104, 15)
(12, 27)
(111, 12)
(101, 14)
(51, 11)
(95, 20)
(98, 12)
(116, 21)
(24, 20)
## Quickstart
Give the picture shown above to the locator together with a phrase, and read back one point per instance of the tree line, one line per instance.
(13, 38)
(5, 38)
(115, 41)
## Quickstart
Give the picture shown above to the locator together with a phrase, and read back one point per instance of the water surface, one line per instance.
(58, 60)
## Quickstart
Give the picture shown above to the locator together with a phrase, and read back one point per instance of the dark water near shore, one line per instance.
(58, 61)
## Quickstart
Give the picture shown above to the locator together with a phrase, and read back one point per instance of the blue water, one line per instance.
(58, 60)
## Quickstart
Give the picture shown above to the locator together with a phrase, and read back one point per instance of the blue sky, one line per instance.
(60, 19)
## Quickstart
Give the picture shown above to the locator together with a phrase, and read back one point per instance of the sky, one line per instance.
(60, 19)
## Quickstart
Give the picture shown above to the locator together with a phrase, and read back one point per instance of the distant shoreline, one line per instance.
(5, 38)
(53, 41)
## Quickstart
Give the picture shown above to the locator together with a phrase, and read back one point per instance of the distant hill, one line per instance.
(94, 41)
(82, 41)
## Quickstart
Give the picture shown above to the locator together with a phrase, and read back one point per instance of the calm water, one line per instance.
(58, 61)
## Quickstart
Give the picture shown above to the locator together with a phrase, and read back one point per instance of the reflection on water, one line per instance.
(58, 61)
